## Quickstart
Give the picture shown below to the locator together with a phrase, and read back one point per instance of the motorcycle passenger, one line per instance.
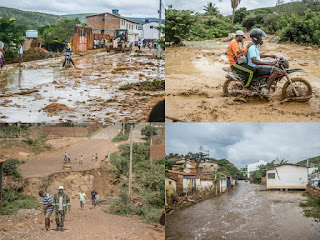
(67, 54)
(254, 59)
(237, 59)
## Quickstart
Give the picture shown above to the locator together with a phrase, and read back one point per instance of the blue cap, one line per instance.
(94, 189)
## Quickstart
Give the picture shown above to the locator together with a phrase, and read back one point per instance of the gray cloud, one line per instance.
(224, 6)
(129, 8)
(244, 143)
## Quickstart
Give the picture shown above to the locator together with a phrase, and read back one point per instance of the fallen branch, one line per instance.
(23, 92)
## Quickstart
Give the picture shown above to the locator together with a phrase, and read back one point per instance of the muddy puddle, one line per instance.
(244, 212)
(43, 91)
(194, 85)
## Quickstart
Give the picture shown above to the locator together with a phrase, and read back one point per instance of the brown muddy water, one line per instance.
(244, 212)
(85, 93)
(195, 78)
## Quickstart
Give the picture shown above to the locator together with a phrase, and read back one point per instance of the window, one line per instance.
(151, 27)
(271, 175)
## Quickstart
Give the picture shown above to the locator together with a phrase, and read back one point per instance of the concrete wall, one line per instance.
(150, 32)
(314, 192)
(288, 177)
(204, 185)
(223, 185)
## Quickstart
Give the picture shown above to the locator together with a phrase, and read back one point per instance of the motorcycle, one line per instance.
(293, 87)
(68, 61)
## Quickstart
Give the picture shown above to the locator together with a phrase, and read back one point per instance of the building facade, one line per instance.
(150, 31)
(254, 166)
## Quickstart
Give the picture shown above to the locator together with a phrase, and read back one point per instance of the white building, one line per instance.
(150, 31)
(254, 166)
(287, 176)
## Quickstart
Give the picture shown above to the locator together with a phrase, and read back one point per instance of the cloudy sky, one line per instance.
(224, 6)
(128, 8)
(244, 143)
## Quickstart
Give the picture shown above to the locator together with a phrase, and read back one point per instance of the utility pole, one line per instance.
(130, 166)
(159, 31)
(150, 151)
(109, 143)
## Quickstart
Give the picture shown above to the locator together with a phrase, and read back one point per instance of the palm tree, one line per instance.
(234, 5)
(211, 9)
(217, 177)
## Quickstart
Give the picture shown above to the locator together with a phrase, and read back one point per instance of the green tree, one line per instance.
(148, 131)
(178, 24)
(217, 178)
(240, 15)
(211, 10)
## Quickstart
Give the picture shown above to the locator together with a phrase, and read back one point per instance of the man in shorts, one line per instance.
(94, 198)
(82, 196)
(47, 208)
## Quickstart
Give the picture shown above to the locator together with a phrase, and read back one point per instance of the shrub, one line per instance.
(120, 137)
(10, 168)
(148, 131)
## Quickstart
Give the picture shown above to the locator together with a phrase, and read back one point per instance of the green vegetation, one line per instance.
(38, 144)
(228, 168)
(313, 207)
(148, 183)
(30, 20)
(10, 168)
(297, 22)
(261, 171)
(14, 131)
(149, 130)
(314, 160)
(148, 85)
(121, 137)
(12, 202)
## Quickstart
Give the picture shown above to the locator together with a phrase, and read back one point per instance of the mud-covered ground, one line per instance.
(43, 91)
(244, 212)
(194, 81)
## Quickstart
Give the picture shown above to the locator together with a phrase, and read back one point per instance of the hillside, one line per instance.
(315, 160)
(32, 20)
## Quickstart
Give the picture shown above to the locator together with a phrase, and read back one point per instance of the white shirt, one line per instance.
(20, 49)
(1, 54)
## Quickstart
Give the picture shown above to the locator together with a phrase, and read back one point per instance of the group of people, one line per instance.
(60, 204)
(2, 54)
(248, 59)
(67, 158)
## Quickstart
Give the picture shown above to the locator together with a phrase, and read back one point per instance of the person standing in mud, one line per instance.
(81, 160)
(237, 59)
(60, 203)
(82, 196)
(47, 208)
(20, 51)
(1, 59)
(97, 157)
(94, 198)
(139, 44)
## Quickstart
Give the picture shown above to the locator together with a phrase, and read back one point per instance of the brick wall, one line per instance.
(179, 181)
(68, 131)
(111, 23)
(313, 192)
(96, 22)
(157, 152)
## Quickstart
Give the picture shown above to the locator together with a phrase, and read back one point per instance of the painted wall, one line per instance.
(150, 32)
(288, 176)
(204, 185)
(223, 185)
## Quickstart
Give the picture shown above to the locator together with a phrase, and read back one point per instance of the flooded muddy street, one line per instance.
(245, 212)
(43, 91)
(195, 78)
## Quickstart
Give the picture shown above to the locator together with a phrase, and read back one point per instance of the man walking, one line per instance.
(20, 54)
(47, 208)
(1, 59)
(82, 196)
(94, 198)
(60, 202)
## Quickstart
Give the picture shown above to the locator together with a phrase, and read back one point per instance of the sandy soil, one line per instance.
(194, 80)
(43, 91)
(79, 224)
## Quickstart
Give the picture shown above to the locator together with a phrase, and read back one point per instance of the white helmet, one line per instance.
(61, 187)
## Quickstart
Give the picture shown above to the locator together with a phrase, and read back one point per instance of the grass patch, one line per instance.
(13, 202)
(154, 85)
(120, 137)
(312, 203)
(38, 144)
(93, 131)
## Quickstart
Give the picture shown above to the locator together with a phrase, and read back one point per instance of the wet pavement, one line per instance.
(245, 212)
(85, 93)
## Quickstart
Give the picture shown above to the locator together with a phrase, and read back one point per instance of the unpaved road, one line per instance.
(85, 93)
(194, 80)
(244, 213)
(79, 224)
(51, 162)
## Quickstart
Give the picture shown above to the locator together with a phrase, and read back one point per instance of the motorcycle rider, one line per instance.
(67, 53)
(237, 59)
(254, 59)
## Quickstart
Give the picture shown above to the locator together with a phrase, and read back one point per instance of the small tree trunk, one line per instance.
(233, 13)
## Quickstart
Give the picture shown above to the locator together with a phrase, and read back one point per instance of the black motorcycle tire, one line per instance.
(288, 92)
(226, 89)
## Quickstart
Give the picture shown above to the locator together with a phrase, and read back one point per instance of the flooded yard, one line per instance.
(43, 91)
(195, 78)
(245, 212)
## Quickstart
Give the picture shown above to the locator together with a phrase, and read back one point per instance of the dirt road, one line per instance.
(79, 224)
(194, 80)
(51, 162)
(43, 91)
(244, 213)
